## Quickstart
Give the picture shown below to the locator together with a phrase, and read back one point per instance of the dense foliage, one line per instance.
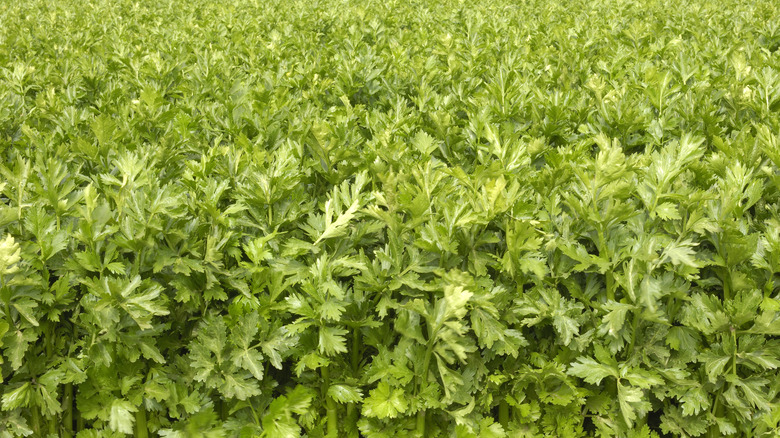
(389, 218)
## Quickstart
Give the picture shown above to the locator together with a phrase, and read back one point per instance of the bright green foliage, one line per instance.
(421, 218)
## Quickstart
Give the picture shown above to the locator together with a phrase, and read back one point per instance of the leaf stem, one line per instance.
(141, 429)
(634, 327)
(604, 254)
(5, 293)
(330, 406)
(726, 280)
(716, 405)
(734, 351)
(355, 358)
(352, 412)
(67, 411)
(503, 413)
(36, 420)
(223, 409)
(420, 432)
(79, 421)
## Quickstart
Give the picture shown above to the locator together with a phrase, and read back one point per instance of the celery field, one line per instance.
(395, 218)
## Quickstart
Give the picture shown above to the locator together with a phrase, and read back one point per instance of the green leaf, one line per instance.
(547, 303)
(667, 211)
(455, 299)
(250, 360)
(278, 343)
(754, 392)
(345, 393)
(17, 343)
(629, 398)
(332, 341)
(705, 314)
(591, 371)
(9, 255)
(694, 401)
(239, 386)
(384, 402)
(121, 418)
(714, 363)
(245, 355)
(15, 425)
(534, 264)
(337, 227)
(674, 422)
(682, 253)
(424, 143)
(141, 300)
(682, 339)
(26, 309)
(490, 429)
(613, 321)
(488, 329)
(18, 397)
(336, 220)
